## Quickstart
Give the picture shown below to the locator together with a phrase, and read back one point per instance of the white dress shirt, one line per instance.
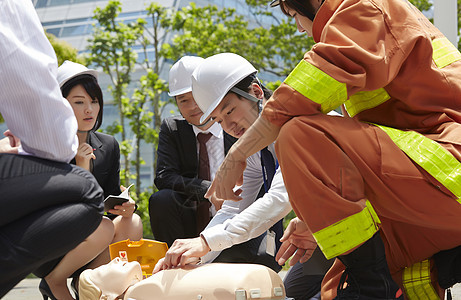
(238, 222)
(30, 98)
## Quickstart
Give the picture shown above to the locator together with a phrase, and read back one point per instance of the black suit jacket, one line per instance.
(106, 166)
(177, 161)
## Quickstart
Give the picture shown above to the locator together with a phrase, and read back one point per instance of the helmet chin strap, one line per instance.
(248, 96)
(203, 124)
(244, 94)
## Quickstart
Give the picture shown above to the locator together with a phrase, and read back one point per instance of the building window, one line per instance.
(54, 31)
(41, 3)
(59, 2)
(74, 30)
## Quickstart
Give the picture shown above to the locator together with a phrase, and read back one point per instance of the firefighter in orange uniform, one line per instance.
(386, 182)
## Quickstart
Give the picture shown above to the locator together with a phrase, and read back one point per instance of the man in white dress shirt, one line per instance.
(48, 206)
(236, 222)
(175, 152)
(224, 93)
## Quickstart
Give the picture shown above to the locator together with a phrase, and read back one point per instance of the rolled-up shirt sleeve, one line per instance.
(238, 222)
(30, 98)
(254, 220)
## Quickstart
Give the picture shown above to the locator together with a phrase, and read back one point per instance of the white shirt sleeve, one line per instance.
(30, 98)
(231, 228)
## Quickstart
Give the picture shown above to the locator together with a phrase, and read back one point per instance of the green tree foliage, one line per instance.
(151, 86)
(155, 36)
(111, 49)
(205, 31)
(64, 51)
(141, 117)
(422, 5)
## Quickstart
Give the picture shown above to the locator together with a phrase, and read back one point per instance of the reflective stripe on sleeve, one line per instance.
(318, 86)
(432, 157)
(417, 282)
(348, 233)
(444, 52)
(365, 100)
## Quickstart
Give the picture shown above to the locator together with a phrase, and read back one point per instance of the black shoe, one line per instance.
(367, 274)
(448, 263)
(45, 290)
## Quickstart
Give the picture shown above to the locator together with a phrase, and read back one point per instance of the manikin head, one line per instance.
(181, 89)
(79, 85)
(109, 281)
(226, 89)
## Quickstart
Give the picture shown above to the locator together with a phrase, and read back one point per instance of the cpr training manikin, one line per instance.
(123, 280)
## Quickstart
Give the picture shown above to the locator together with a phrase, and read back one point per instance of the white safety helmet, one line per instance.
(69, 70)
(180, 75)
(215, 77)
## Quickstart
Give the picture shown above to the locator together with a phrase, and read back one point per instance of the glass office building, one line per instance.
(71, 21)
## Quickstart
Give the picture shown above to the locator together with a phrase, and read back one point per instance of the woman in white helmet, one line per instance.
(98, 153)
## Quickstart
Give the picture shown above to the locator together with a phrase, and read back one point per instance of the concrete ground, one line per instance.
(28, 290)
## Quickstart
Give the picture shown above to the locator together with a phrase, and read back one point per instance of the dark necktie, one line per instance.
(268, 168)
(203, 160)
(203, 207)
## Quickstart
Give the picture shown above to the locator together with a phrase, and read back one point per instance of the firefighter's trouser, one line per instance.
(346, 180)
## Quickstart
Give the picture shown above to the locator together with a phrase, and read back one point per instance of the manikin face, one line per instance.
(115, 277)
(236, 114)
(86, 110)
(189, 108)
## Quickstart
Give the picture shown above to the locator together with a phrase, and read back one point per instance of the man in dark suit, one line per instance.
(175, 209)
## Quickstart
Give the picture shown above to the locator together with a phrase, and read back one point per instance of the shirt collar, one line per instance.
(215, 130)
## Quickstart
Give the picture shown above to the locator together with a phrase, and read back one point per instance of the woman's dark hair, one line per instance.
(91, 86)
(245, 85)
(302, 7)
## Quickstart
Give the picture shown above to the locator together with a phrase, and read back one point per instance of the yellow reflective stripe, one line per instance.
(365, 100)
(318, 86)
(417, 282)
(348, 233)
(444, 52)
(432, 157)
